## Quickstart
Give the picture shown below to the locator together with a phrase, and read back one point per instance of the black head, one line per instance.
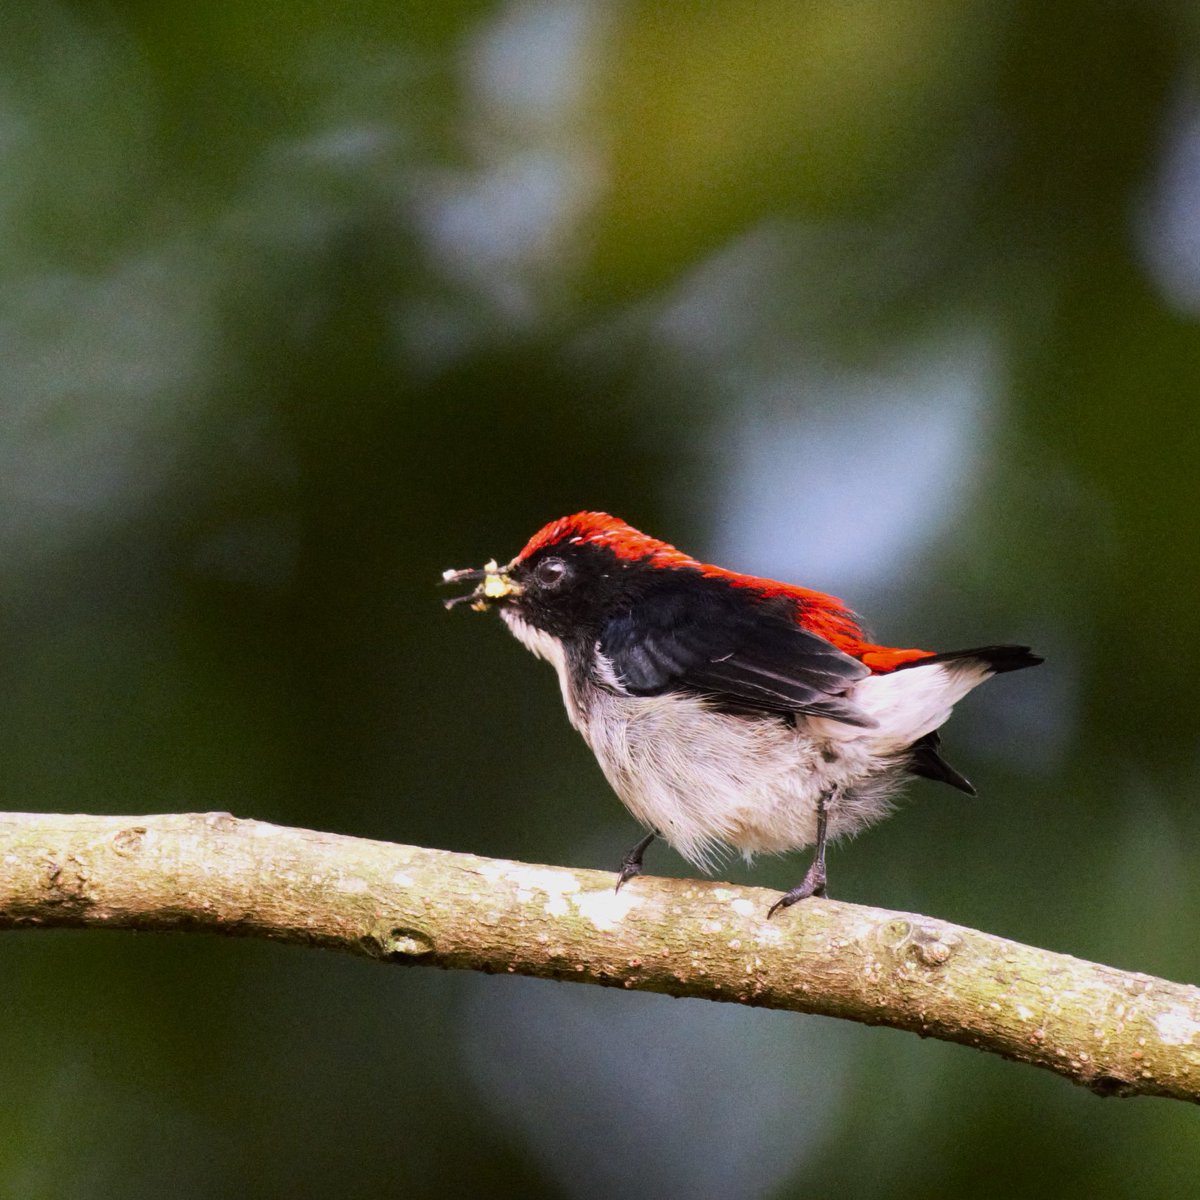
(574, 574)
(572, 590)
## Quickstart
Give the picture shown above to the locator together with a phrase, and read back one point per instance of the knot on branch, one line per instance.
(1111, 1085)
(397, 944)
(66, 883)
(129, 841)
(924, 943)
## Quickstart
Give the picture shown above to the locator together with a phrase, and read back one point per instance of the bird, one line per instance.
(728, 712)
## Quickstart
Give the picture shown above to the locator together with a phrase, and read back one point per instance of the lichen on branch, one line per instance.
(1116, 1032)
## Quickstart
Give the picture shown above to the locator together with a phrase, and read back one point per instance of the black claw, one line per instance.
(813, 884)
(631, 864)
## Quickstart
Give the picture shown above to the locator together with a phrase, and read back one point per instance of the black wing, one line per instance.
(748, 653)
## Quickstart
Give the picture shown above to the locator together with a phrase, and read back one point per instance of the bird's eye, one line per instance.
(551, 572)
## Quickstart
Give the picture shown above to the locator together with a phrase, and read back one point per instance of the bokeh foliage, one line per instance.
(301, 303)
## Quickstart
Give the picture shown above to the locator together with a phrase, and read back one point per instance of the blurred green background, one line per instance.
(301, 303)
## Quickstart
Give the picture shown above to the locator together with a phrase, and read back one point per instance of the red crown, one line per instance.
(815, 611)
(602, 529)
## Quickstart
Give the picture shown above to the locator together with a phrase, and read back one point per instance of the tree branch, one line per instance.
(1116, 1032)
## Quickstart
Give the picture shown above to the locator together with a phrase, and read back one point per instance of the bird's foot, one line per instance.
(631, 864)
(813, 884)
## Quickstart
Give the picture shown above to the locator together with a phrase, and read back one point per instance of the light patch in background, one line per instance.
(100, 379)
(504, 228)
(838, 479)
(1168, 224)
(529, 66)
(638, 1095)
(724, 306)
(491, 230)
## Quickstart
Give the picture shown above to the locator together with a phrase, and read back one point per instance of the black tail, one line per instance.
(929, 764)
(998, 658)
(926, 760)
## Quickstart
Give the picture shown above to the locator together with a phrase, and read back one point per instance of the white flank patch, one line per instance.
(1176, 1026)
(908, 704)
(606, 909)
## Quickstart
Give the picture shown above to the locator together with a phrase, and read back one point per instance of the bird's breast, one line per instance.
(706, 779)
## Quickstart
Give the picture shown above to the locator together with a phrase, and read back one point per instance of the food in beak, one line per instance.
(491, 584)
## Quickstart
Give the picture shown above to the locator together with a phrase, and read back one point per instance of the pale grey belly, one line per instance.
(707, 780)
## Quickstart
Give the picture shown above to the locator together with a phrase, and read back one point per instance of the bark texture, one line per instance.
(1116, 1032)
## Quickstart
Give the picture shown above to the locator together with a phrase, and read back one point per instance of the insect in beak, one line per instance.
(492, 583)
